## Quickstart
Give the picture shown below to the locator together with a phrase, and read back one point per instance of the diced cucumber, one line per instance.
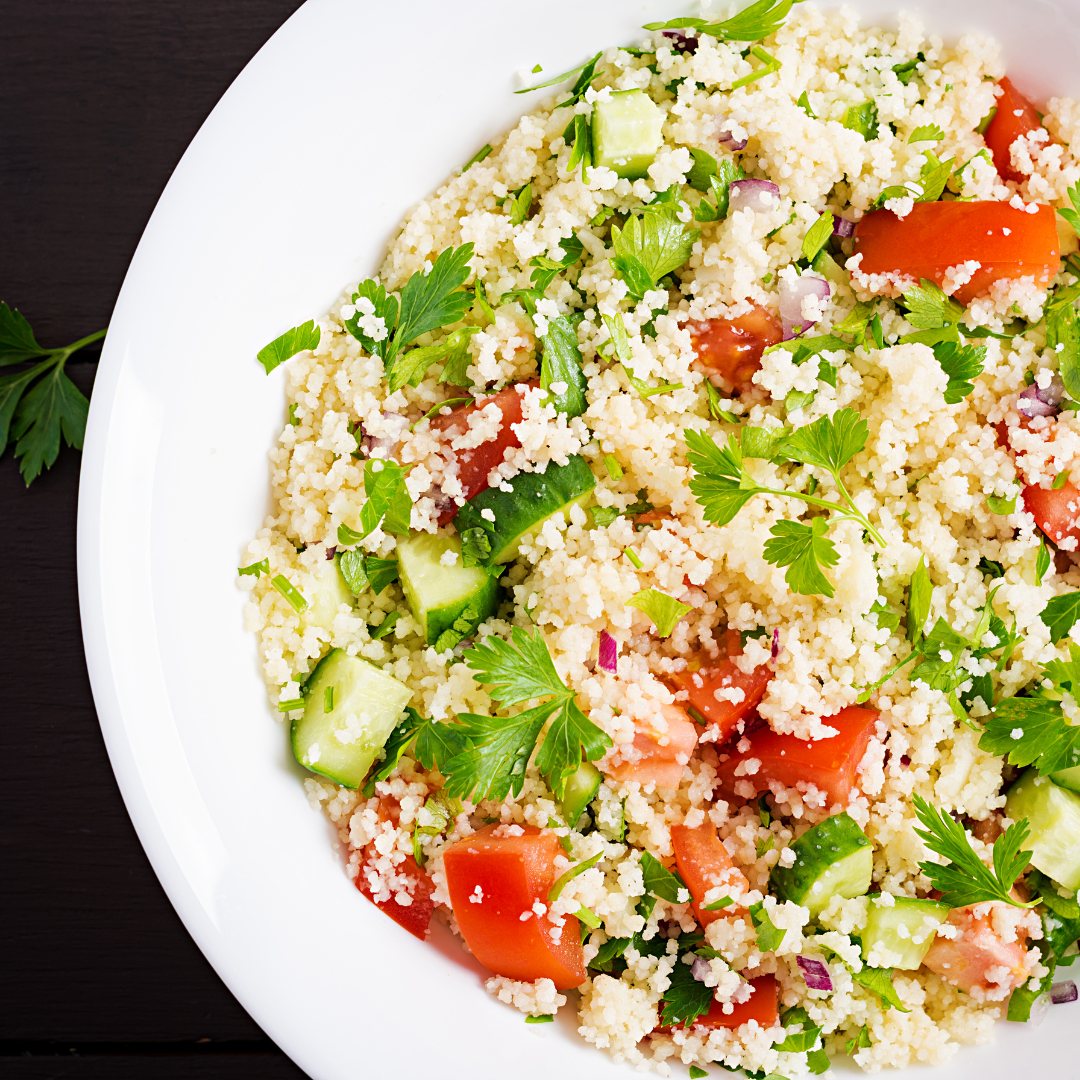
(834, 858)
(825, 265)
(516, 515)
(330, 592)
(1054, 816)
(448, 601)
(627, 132)
(900, 931)
(1067, 778)
(365, 704)
(581, 789)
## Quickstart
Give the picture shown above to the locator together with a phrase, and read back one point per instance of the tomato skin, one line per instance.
(476, 463)
(966, 960)
(761, 1006)
(936, 236)
(660, 765)
(512, 872)
(1007, 127)
(733, 347)
(828, 764)
(701, 687)
(416, 917)
(704, 864)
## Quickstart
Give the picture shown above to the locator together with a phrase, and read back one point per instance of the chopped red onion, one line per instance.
(753, 194)
(792, 294)
(905, 760)
(681, 42)
(330, 553)
(842, 227)
(371, 445)
(775, 642)
(815, 974)
(1042, 401)
(727, 140)
(1063, 992)
(609, 652)
(699, 968)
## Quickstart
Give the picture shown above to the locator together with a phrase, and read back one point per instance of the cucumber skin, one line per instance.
(543, 494)
(609, 120)
(1053, 813)
(881, 922)
(1068, 778)
(836, 840)
(581, 789)
(361, 754)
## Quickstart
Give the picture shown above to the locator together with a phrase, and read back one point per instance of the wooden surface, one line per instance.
(98, 978)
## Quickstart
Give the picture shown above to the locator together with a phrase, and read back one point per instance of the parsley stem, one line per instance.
(851, 511)
(868, 690)
(75, 346)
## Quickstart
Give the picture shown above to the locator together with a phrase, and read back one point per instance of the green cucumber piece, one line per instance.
(834, 858)
(516, 515)
(330, 592)
(899, 933)
(825, 265)
(627, 132)
(1054, 816)
(449, 602)
(1067, 778)
(581, 789)
(366, 703)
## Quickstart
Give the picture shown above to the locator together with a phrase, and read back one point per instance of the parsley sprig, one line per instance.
(721, 484)
(388, 502)
(756, 22)
(38, 404)
(517, 671)
(650, 246)
(965, 878)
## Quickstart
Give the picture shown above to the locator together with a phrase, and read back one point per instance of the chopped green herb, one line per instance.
(1060, 480)
(540, 1018)
(384, 628)
(929, 308)
(665, 611)
(632, 556)
(714, 405)
(696, 1073)
(880, 981)
(290, 592)
(650, 246)
(803, 549)
(477, 157)
(685, 999)
(297, 340)
(561, 363)
(765, 845)
(519, 208)
(863, 119)
(961, 364)
(291, 705)
(255, 569)
(450, 403)
(769, 936)
(804, 104)
(1042, 564)
(926, 133)
(584, 70)
(328, 699)
(614, 469)
(771, 66)
(292, 414)
(1000, 505)
(876, 332)
(905, 72)
(564, 879)
(758, 21)
(818, 235)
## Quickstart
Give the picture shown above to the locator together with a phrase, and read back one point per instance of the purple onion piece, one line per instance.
(775, 642)
(753, 194)
(815, 974)
(905, 760)
(394, 429)
(609, 652)
(727, 140)
(681, 42)
(442, 501)
(1063, 992)
(330, 553)
(842, 227)
(792, 294)
(699, 969)
(1042, 401)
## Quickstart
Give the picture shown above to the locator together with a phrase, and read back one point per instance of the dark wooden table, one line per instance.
(98, 978)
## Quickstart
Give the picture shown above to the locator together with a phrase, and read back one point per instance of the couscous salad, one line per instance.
(674, 564)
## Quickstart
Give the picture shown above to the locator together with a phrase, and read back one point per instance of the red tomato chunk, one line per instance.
(733, 347)
(705, 864)
(1015, 117)
(495, 880)
(1008, 243)
(718, 675)
(406, 878)
(760, 1006)
(659, 757)
(476, 463)
(829, 764)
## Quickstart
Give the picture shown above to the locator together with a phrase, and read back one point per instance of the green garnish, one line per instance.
(1073, 216)
(1000, 505)
(450, 403)
(519, 208)
(297, 340)
(545, 268)
(292, 705)
(1063, 336)
(685, 998)
(754, 23)
(965, 878)
(412, 366)
(361, 571)
(621, 343)
(614, 469)
(1060, 480)
(1042, 564)
(769, 936)
(818, 235)
(714, 405)
(1061, 614)
(632, 556)
(378, 632)
(540, 1018)
(477, 157)
(771, 66)
(651, 245)
(696, 1073)
(388, 502)
(584, 72)
(436, 744)
(560, 362)
(880, 981)
(605, 515)
(961, 364)
(860, 1041)
(665, 611)
(718, 905)
(804, 104)
(662, 882)
(929, 308)
(719, 182)
(905, 72)
(926, 133)
(290, 592)
(564, 879)
(863, 119)
(328, 699)
(255, 569)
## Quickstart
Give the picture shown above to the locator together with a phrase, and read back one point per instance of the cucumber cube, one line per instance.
(581, 789)
(834, 858)
(330, 593)
(1053, 813)
(900, 930)
(626, 133)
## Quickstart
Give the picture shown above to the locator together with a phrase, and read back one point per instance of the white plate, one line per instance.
(351, 113)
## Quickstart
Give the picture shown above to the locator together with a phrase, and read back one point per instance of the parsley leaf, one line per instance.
(703, 169)
(660, 881)
(545, 268)
(920, 593)
(929, 308)
(818, 235)
(933, 177)
(905, 72)
(1073, 216)
(477, 157)
(1063, 337)
(757, 21)
(965, 878)
(769, 936)
(719, 183)
(863, 119)
(804, 104)
(829, 442)
(375, 317)
(560, 362)
(665, 611)
(388, 502)
(410, 367)
(297, 340)
(926, 133)
(961, 364)
(650, 246)
(719, 481)
(589, 66)
(436, 744)
(859, 1041)
(685, 999)
(519, 206)
(880, 981)
(361, 571)
(475, 547)
(857, 319)
(804, 549)
(1061, 614)
(1032, 731)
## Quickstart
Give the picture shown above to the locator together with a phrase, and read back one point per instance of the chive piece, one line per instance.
(328, 700)
(292, 705)
(450, 403)
(561, 882)
(290, 592)
(292, 414)
(478, 156)
(632, 556)
(384, 628)
(696, 716)
(346, 537)
(255, 569)
(588, 918)
(614, 469)
(719, 905)
(545, 1018)
(1060, 480)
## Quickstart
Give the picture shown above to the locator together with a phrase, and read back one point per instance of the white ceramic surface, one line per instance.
(352, 112)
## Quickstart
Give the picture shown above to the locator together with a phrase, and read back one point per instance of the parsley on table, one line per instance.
(560, 362)
(665, 611)
(297, 340)
(651, 245)
(965, 878)
(516, 671)
(1061, 614)
(39, 404)
(754, 23)
(388, 502)
(685, 998)
(880, 981)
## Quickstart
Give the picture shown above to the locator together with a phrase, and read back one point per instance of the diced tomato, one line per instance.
(702, 685)
(476, 463)
(658, 764)
(1008, 243)
(733, 347)
(405, 877)
(979, 958)
(495, 880)
(760, 1006)
(1007, 126)
(704, 864)
(828, 764)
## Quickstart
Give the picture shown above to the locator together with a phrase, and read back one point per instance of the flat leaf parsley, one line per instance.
(757, 21)
(665, 611)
